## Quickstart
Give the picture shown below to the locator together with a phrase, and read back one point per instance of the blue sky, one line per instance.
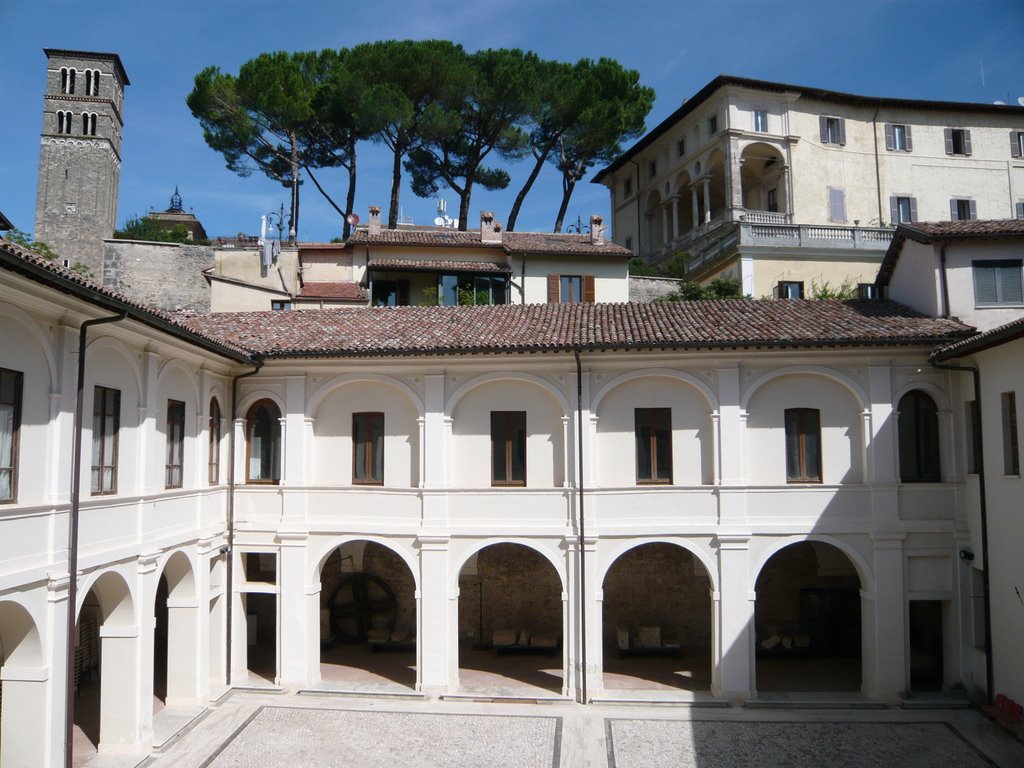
(926, 49)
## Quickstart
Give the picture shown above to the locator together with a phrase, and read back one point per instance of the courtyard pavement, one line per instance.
(259, 729)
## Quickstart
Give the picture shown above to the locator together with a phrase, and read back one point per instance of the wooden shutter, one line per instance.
(985, 283)
(974, 210)
(588, 289)
(908, 139)
(842, 132)
(1010, 283)
(836, 204)
(889, 144)
(1020, 210)
(952, 209)
(553, 288)
(967, 142)
(1014, 143)
(894, 210)
(823, 128)
(913, 209)
(947, 134)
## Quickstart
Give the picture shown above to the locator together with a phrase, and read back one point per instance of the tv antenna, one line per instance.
(443, 219)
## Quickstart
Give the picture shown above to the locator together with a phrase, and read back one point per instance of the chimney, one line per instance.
(374, 226)
(596, 229)
(490, 230)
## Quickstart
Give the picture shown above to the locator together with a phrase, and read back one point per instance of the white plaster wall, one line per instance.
(333, 434)
(471, 434)
(840, 429)
(692, 441)
(959, 271)
(610, 273)
(915, 281)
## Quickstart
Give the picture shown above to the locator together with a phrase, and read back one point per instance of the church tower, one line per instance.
(80, 154)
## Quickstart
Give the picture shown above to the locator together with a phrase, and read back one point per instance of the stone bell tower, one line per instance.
(80, 154)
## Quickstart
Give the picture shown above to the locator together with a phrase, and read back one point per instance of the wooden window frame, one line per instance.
(99, 404)
(917, 402)
(213, 461)
(16, 405)
(805, 426)
(509, 423)
(587, 289)
(265, 402)
(175, 458)
(656, 419)
(370, 451)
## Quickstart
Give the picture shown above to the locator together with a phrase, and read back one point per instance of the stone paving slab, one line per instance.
(292, 737)
(721, 744)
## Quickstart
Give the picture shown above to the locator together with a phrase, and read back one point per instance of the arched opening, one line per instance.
(657, 620)
(22, 698)
(263, 443)
(716, 186)
(214, 435)
(655, 216)
(918, 426)
(175, 638)
(367, 617)
(684, 204)
(510, 620)
(807, 620)
(106, 670)
(762, 180)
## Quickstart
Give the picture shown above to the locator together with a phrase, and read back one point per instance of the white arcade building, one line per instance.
(755, 496)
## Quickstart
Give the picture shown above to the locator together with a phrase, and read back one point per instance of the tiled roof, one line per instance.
(437, 265)
(43, 270)
(990, 338)
(931, 231)
(350, 291)
(736, 323)
(511, 242)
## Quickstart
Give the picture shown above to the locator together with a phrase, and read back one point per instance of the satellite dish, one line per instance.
(999, 103)
(352, 219)
(1020, 100)
(439, 221)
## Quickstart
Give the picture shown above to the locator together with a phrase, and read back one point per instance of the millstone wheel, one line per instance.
(359, 603)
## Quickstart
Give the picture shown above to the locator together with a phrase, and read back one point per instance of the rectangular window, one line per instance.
(958, 141)
(803, 445)
(175, 443)
(508, 447)
(868, 291)
(10, 426)
(627, 188)
(570, 289)
(652, 169)
(836, 204)
(712, 125)
(962, 209)
(213, 473)
(761, 121)
(972, 420)
(629, 243)
(106, 423)
(1016, 143)
(772, 200)
(279, 305)
(902, 209)
(1019, 210)
(998, 282)
(1011, 446)
(832, 130)
(790, 289)
(653, 431)
(681, 148)
(898, 138)
(390, 293)
(368, 448)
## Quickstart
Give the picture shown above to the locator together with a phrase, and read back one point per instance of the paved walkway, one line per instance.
(296, 730)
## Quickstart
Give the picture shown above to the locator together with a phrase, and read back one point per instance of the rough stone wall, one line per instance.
(164, 275)
(659, 585)
(376, 561)
(521, 591)
(645, 289)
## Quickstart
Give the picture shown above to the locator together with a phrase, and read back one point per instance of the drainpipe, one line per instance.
(580, 539)
(943, 281)
(369, 278)
(76, 486)
(522, 279)
(983, 513)
(639, 249)
(229, 549)
(878, 173)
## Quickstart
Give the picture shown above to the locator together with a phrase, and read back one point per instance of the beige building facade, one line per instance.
(774, 183)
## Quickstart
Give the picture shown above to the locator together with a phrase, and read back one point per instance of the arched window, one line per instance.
(92, 82)
(63, 79)
(64, 120)
(919, 438)
(214, 430)
(263, 443)
(70, 81)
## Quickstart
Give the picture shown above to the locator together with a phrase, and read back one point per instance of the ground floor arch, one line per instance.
(22, 688)
(175, 635)
(368, 616)
(657, 625)
(808, 620)
(511, 619)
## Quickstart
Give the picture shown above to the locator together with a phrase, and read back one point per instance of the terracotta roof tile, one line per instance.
(350, 291)
(438, 265)
(930, 231)
(991, 338)
(551, 327)
(511, 242)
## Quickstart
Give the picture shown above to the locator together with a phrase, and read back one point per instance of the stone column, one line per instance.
(696, 206)
(295, 619)
(883, 639)
(734, 655)
(26, 729)
(733, 175)
(183, 653)
(707, 199)
(149, 471)
(674, 202)
(437, 635)
(664, 224)
(120, 709)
